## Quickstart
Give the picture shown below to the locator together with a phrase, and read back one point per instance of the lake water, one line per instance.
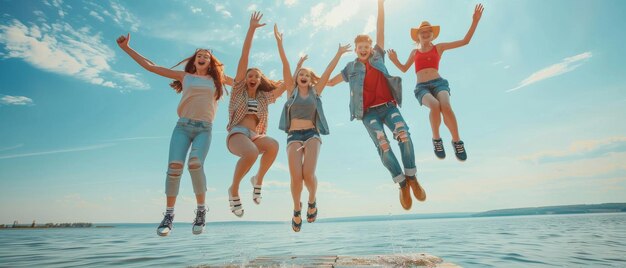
(585, 240)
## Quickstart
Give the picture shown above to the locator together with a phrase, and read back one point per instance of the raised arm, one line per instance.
(335, 80)
(331, 66)
(255, 19)
(228, 80)
(282, 88)
(300, 62)
(287, 77)
(478, 12)
(123, 41)
(380, 25)
(394, 58)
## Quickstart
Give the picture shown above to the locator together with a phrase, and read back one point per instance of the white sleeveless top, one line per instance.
(198, 101)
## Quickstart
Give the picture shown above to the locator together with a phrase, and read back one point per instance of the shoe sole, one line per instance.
(197, 232)
(163, 234)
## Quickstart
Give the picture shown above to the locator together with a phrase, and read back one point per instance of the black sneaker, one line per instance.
(166, 225)
(438, 147)
(198, 223)
(459, 150)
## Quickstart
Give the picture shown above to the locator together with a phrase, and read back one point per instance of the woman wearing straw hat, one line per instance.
(431, 89)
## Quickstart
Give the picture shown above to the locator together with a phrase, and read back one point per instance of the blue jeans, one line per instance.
(389, 115)
(194, 133)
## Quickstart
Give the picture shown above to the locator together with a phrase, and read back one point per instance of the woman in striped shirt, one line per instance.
(252, 93)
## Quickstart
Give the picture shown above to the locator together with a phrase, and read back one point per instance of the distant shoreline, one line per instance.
(528, 211)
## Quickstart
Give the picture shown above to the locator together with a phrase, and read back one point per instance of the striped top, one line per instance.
(238, 106)
(253, 106)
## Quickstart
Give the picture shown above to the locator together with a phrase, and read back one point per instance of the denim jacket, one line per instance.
(354, 73)
(320, 119)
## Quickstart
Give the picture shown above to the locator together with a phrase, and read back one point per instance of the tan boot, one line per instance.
(405, 197)
(417, 189)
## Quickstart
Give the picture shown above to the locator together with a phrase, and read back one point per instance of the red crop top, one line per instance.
(428, 59)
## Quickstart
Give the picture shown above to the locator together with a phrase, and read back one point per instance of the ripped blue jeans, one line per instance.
(389, 115)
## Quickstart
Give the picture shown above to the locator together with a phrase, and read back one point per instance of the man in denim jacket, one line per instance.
(374, 97)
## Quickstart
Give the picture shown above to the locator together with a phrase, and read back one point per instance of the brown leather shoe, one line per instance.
(417, 189)
(405, 197)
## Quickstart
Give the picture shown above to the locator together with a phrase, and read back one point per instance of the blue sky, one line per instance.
(540, 95)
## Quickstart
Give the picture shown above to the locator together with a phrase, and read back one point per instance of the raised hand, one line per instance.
(478, 12)
(343, 49)
(393, 56)
(279, 36)
(255, 20)
(122, 41)
(303, 59)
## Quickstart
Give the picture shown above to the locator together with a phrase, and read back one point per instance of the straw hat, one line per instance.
(424, 25)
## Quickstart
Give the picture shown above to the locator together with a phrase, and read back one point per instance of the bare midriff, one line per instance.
(427, 74)
(250, 121)
(300, 124)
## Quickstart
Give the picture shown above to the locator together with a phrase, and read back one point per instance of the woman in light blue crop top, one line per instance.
(202, 82)
(303, 119)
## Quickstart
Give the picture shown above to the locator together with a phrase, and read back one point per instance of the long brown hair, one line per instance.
(266, 84)
(215, 71)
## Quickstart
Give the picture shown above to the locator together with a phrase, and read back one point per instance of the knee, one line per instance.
(175, 170)
(446, 108)
(194, 163)
(403, 136)
(250, 155)
(435, 107)
(272, 146)
(383, 143)
(308, 177)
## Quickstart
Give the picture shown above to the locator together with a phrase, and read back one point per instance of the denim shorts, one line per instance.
(303, 135)
(245, 131)
(432, 87)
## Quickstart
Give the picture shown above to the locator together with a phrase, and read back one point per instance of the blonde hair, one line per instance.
(314, 77)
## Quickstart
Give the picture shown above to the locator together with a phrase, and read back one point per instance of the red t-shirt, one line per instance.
(375, 88)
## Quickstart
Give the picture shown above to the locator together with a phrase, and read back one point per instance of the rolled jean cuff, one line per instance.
(410, 171)
(398, 179)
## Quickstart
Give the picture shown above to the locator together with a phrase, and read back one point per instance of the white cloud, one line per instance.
(260, 58)
(222, 9)
(290, 3)
(68, 150)
(319, 16)
(580, 150)
(62, 49)
(565, 66)
(370, 26)
(280, 167)
(11, 147)
(273, 183)
(122, 16)
(196, 10)
(15, 100)
(96, 15)
(252, 7)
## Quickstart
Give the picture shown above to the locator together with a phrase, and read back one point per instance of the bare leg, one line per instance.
(448, 115)
(241, 146)
(269, 148)
(311, 154)
(435, 114)
(295, 170)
